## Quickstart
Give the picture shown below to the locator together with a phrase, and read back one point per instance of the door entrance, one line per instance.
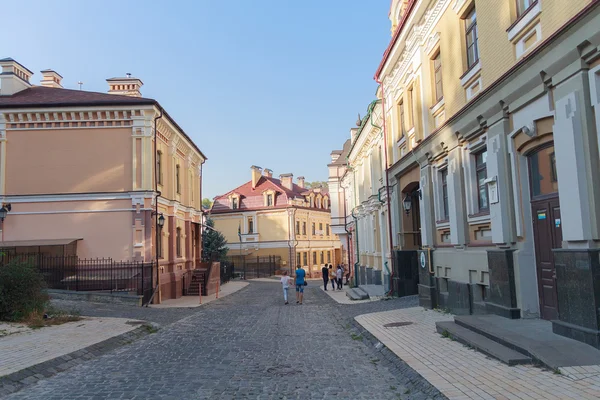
(547, 226)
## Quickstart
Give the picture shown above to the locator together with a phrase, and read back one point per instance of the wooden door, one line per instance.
(547, 230)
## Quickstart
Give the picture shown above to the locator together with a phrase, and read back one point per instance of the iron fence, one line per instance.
(254, 267)
(100, 274)
(227, 270)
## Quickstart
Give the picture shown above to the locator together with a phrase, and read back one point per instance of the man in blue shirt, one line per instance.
(300, 276)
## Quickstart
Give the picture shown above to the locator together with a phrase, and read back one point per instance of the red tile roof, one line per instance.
(252, 199)
(41, 96)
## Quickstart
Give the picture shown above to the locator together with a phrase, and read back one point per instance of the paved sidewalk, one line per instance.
(462, 373)
(30, 347)
(194, 301)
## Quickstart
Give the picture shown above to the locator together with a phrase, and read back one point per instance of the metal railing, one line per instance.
(100, 274)
(254, 267)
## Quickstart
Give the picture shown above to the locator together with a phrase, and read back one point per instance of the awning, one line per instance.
(38, 242)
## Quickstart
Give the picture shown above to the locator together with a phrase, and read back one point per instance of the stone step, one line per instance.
(357, 294)
(481, 343)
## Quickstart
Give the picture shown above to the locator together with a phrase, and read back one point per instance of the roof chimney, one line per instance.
(301, 182)
(128, 86)
(256, 174)
(14, 77)
(268, 173)
(286, 181)
(51, 78)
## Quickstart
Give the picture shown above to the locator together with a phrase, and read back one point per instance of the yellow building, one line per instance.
(279, 218)
(491, 124)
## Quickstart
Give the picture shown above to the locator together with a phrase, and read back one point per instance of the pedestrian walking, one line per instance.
(285, 283)
(300, 283)
(325, 273)
(332, 276)
(339, 276)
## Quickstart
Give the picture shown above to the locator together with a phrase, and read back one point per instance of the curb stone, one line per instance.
(16, 381)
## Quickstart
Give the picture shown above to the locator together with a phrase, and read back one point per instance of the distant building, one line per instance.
(85, 173)
(277, 217)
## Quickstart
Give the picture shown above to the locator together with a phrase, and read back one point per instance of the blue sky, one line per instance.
(273, 83)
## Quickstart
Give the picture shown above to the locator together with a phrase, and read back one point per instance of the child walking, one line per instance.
(285, 282)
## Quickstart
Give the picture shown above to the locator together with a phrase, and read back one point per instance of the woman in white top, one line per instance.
(285, 282)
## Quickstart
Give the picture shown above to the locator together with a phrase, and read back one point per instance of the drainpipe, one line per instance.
(157, 193)
(357, 250)
(387, 184)
(348, 234)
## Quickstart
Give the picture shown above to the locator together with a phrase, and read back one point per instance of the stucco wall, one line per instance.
(104, 233)
(68, 161)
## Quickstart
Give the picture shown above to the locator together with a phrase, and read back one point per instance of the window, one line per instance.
(471, 35)
(481, 171)
(177, 181)
(298, 260)
(178, 242)
(312, 202)
(444, 173)
(410, 108)
(159, 174)
(314, 229)
(250, 225)
(321, 228)
(314, 257)
(523, 6)
(192, 186)
(269, 200)
(159, 249)
(327, 229)
(437, 72)
(305, 258)
(297, 227)
(234, 203)
(328, 256)
(322, 257)
(319, 202)
(542, 167)
(402, 120)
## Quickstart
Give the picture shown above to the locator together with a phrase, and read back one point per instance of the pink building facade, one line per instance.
(86, 174)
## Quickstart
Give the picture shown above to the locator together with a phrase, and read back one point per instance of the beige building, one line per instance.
(89, 174)
(279, 218)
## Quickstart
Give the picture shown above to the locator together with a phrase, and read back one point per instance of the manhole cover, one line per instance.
(283, 370)
(396, 324)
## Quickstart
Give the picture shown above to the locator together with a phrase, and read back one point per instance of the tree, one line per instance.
(213, 242)
(317, 184)
(206, 203)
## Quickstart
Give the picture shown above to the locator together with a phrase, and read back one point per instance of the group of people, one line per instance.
(333, 276)
(329, 274)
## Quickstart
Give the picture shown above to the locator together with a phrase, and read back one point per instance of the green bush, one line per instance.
(21, 291)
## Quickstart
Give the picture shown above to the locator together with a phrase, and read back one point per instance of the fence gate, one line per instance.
(255, 267)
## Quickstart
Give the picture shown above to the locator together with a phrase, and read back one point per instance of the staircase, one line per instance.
(518, 341)
(198, 277)
(357, 294)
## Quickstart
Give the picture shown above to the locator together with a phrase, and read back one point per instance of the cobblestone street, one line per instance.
(248, 345)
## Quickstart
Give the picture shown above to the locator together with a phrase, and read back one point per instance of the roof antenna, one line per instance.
(80, 84)
(128, 74)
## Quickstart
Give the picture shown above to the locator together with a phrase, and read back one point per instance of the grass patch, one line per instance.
(374, 361)
(354, 336)
(52, 316)
(393, 387)
(407, 391)
(557, 371)
(149, 328)
(446, 334)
